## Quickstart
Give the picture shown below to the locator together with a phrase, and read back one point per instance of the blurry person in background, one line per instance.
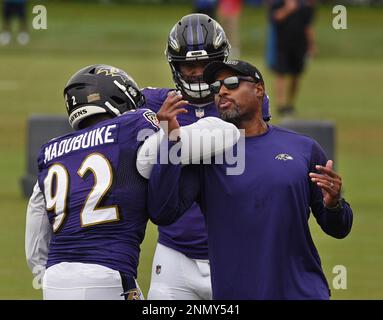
(14, 9)
(208, 7)
(291, 40)
(229, 12)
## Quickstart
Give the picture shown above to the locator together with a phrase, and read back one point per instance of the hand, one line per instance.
(329, 182)
(288, 8)
(311, 43)
(291, 5)
(167, 115)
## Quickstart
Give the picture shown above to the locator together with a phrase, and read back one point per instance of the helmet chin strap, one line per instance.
(113, 109)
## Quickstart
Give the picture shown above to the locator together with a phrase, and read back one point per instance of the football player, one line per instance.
(180, 268)
(92, 191)
(87, 215)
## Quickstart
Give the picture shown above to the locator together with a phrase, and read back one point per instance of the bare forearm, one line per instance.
(310, 36)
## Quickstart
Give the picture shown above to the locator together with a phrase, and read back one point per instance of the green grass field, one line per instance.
(343, 84)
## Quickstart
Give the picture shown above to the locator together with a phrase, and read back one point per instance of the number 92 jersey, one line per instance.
(95, 198)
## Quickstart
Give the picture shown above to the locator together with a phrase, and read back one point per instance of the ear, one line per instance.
(260, 90)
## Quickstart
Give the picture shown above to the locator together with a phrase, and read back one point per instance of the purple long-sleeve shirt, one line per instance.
(260, 246)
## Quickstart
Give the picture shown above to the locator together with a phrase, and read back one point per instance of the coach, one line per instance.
(260, 245)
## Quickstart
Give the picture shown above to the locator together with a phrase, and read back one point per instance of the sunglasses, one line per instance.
(230, 83)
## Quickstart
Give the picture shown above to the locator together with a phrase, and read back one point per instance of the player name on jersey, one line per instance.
(99, 136)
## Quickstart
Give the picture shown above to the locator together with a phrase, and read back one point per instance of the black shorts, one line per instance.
(289, 61)
(11, 10)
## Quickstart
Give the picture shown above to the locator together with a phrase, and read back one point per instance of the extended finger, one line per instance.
(321, 176)
(177, 112)
(329, 187)
(316, 175)
(324, 181)
(167, 112)
(327, 171)
(170, 100)
(333, 188)
(178, 105)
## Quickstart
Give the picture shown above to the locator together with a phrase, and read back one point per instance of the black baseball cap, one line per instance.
(238, 66)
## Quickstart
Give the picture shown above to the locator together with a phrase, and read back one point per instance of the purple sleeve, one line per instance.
(172, 190)
(154, 97)
(335, 224)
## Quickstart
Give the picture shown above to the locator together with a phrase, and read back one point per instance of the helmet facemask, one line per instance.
(193, 87)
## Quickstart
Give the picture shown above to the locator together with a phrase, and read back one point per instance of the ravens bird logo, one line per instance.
(284, 157)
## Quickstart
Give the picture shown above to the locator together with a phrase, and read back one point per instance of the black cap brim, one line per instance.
(237, 66)
(214, 67)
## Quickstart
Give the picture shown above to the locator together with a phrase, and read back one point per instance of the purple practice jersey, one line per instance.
(188, 234)
(95, 198)
(260, 245)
